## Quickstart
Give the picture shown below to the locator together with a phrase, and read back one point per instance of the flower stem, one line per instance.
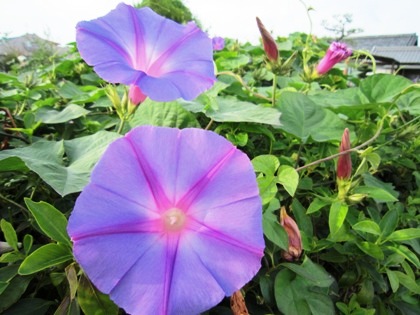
(273, 101)
(121, 126)
(376, 135)
(209, 124)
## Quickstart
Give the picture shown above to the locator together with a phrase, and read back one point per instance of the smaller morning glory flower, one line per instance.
(170, 223)
(218, 43)
(137, 47)
(336, 53)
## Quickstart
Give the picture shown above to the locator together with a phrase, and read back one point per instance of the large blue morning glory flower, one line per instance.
(170, 222)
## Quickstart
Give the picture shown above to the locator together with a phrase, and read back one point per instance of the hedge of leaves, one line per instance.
(360, 250)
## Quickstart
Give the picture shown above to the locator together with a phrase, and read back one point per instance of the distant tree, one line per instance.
(340, 26)
(172, 9)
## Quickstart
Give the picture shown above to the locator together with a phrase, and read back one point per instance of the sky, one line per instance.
(56, 19)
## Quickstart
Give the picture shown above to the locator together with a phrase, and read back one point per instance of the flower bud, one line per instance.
(344, 161)
(135, 95)
(269, 43)
(218, 43)
(295, 240)
(237, 304)
(336, 53)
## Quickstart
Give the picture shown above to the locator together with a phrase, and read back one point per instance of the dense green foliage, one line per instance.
(172, 9)
(360, 247)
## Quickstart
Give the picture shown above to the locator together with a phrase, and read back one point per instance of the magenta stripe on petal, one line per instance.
(174, 218)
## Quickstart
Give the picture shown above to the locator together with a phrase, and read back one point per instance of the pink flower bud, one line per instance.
(270, 45)
(218, 43)
(295, 240)
(344, 161)
(336, 53)
(135, 95)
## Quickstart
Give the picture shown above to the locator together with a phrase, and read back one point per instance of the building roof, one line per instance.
(369, 42)
(25, 45)
(401, 54)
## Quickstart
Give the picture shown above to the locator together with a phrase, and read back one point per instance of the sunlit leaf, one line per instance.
(46, 256)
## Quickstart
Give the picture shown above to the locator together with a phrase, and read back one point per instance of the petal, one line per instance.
(231, 263)
(107, 259)
(109, 213)
(119, 171)
(193, 288)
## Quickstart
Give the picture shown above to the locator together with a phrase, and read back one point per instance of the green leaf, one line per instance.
(406, 253)
(170, 114)
(232, 110)
(371, 249)
(28, 240)
(303, 221)
(46, 158)
(9, 234)
(289, 178)
(408, 282)
(317, 204)
(274, 231)
(12, 164)
(231, 60)
(51, 221)
(379, 194)
(71, 276)
(312, 272)
(68, 307)
(48, 115)
(404, 235)
(367, 226)
(13, 292)
(381, 88)
(389, 222)
(393, 280)
(8, 272)
(337, 215)
(29, 306)
(267, 186)
(266, 164)
(295, 295)
(303, 118)
(47, 256)
(93, 302)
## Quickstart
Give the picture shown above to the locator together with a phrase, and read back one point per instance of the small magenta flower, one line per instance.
(336, 53)
(164, 59)
(135, 95)
(295, 241)
(344, 166)
(218, 43)
(170, 222)
(269, 43)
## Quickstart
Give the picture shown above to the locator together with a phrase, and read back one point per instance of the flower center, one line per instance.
(173, 220)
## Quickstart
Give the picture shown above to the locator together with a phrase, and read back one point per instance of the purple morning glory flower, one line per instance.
(218, 43)
(336, 53)
(164, 59)
(171, 221)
